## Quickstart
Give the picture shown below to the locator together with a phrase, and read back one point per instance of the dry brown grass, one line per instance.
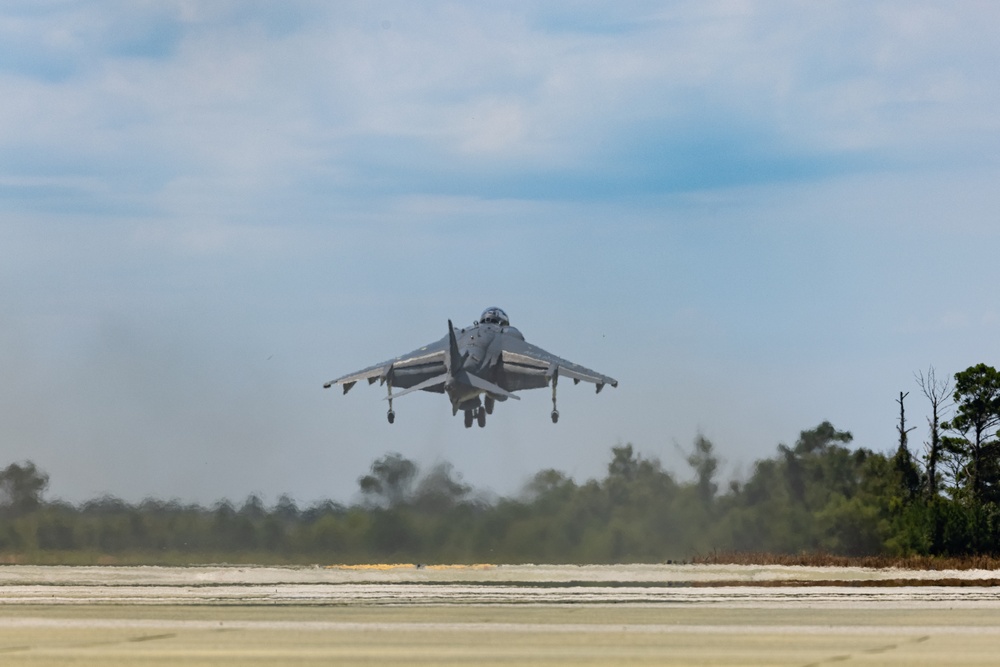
(829, 560)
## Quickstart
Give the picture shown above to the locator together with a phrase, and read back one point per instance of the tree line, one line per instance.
(819, 494)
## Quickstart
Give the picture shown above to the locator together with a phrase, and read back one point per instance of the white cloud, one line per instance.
(249, 112)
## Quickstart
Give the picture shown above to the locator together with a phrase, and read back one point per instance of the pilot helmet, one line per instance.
(495, 316)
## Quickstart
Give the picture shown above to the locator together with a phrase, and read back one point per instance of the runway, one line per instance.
(497, 615)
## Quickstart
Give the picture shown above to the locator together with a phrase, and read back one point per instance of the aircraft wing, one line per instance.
(527, 366)
(404, 371)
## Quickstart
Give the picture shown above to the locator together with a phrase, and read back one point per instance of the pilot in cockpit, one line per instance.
(495, 316)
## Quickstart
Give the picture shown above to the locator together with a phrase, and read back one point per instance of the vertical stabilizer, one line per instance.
(455, 358)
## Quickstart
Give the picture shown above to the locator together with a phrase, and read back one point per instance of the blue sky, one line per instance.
(757, 216)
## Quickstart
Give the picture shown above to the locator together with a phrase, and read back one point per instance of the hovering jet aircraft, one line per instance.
(489, 358)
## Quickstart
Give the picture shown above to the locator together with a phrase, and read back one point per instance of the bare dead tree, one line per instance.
(938, 392)
(902, 423)
(909, 474)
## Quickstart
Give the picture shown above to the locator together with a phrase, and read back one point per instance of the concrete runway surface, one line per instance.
(497, 615)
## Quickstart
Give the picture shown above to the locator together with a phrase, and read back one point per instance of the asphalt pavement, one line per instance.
(496, 615)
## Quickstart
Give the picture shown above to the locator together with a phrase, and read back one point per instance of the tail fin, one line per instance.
(455, 359)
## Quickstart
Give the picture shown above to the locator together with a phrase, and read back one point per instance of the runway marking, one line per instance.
(389, 567)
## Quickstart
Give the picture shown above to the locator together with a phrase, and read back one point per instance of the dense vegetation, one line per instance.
(817, 495)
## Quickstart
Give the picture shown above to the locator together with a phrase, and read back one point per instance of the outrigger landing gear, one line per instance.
(555, 412)
(391, 416)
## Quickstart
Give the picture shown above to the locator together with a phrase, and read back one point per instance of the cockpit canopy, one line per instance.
(495, 316)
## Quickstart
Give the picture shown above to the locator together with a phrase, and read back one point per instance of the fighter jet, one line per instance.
(476, 367)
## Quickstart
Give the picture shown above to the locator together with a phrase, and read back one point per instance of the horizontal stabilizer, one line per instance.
(429, 382)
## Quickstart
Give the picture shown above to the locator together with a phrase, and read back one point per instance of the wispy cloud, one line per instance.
(454, 99)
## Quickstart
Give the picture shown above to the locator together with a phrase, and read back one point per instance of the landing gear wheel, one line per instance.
(391, 416)
(468, 418)
(481, 417)
(555, 416)
(488, 404)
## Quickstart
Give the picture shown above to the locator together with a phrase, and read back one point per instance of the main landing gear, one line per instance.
(475, 414)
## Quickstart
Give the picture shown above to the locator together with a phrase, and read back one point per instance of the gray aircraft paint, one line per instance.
(475, 367)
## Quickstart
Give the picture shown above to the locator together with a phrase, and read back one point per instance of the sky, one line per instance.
(757, 216)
